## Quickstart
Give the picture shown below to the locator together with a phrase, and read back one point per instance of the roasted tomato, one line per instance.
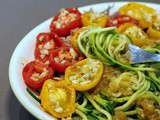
(94, 19)
(63, 57)
(138, 11)
(35, 73)
(153, 32)
(65, 21)
(121, 19)
(58, 98)
(85, 74)
(46, 42)
(137, 35)
(44, 45)
(74, 36)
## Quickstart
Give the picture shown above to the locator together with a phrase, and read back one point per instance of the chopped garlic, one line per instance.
(42, 56)
(56, 59)
(43, 74)
(63, 61)
(44, 52)
(130, 13)
(35, 76)
(47, 62)
(59, 109)
(85, 82)
(48, 45)
(41, 38)
(73, 53)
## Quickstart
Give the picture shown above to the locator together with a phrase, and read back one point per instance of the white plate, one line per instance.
(24, 52)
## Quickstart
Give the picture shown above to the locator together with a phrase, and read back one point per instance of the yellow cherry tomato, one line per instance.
(58, 98)
(90, 18)
(137, 35)
(85, 74)
(139, 11)
(74, 37)
(153, 33)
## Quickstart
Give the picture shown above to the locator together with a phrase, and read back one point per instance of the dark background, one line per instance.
(17, 18)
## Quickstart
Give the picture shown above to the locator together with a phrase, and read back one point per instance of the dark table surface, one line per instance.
(17, 18)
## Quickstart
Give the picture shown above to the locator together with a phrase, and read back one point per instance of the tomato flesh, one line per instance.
(35, 73)
(67, 20)
(44, 45)
(61, 58)
(58, 98)
(46, 42)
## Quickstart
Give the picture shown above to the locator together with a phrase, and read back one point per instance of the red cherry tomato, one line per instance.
(121, 19)
(59, 42)
(46, 42)
(65, 21)
(63, 57)
(35, 73)
(44, 45)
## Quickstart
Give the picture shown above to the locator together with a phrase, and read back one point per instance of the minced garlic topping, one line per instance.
(84, 74)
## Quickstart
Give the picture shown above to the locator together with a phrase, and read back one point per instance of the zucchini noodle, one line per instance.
(141, 91)
(107, 114)
(81, 114)
(108, 46)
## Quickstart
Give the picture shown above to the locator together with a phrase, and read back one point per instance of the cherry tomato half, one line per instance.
(58, 98)
(44, 45)
(63, 57)
(65, 21)
(121, 19)
(46, 42)
(35, 73)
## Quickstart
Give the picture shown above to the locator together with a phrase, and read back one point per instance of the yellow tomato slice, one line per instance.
(85, 74)
(90, 18)
(153, 33)
(139, 11)
(136, 34)
(74, 37)
(58, 98)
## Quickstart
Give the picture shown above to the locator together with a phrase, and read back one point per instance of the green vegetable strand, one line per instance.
(108, 46)
(33, 95)
(81, 114)
(138, 93)
(107, 114)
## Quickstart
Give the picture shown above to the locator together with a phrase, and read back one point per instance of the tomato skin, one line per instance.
(153, 33)
(87, 19)
(42, 40)
(121, 19)
(58, 41)
(65, 58)
(64, 31)
(83, 87)
(36, 67)
(59, 67)
(135, 31)
(140, 12)
(66, 101)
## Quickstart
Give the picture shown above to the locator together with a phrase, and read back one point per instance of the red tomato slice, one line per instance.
(121, 19)
(46, 42)
(44, 45)
(61, 58)
(59, 42)
(35, 73)
(65, 21)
